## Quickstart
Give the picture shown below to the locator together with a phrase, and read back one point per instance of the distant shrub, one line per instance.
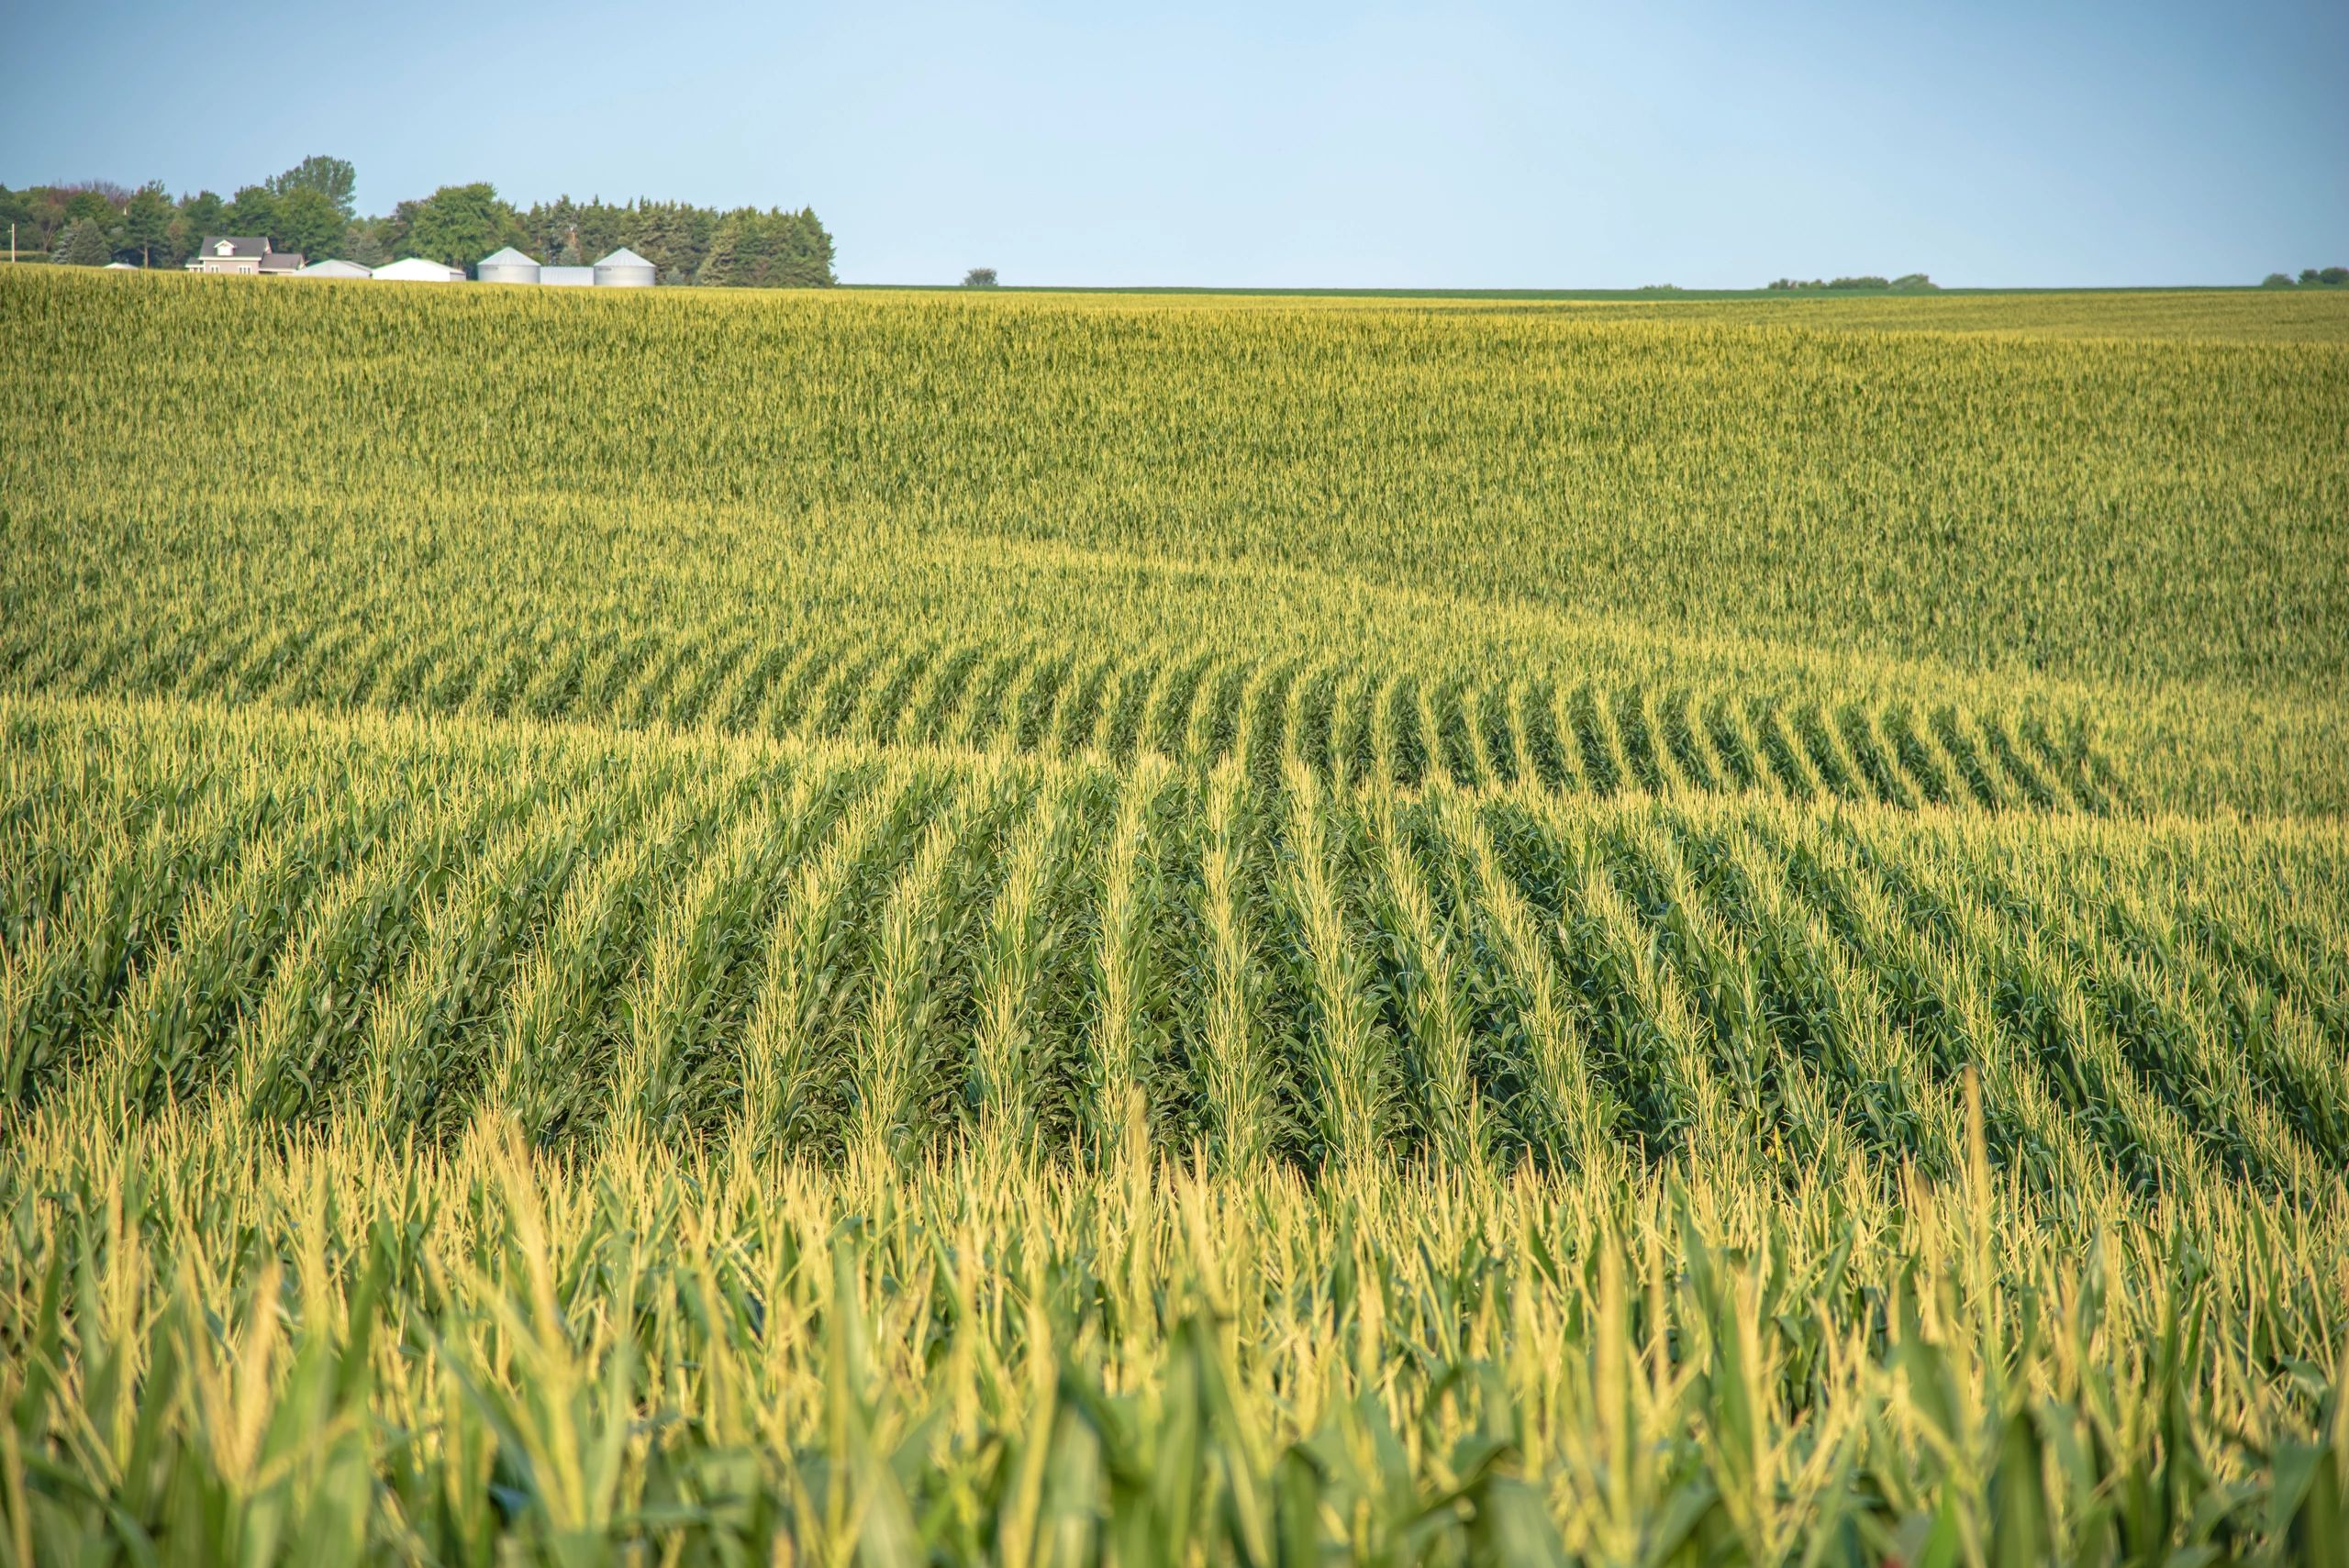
(979, 278)
(2276, 281)
(1915, 281)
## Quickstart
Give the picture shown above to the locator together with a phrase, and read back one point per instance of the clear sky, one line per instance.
(1501, 145)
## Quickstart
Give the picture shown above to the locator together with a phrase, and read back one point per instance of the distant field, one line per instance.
(2242, 314)
(1181, 927)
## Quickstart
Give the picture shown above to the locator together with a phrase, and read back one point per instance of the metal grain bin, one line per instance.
(624, 268)
(508, 266)
(567, 277)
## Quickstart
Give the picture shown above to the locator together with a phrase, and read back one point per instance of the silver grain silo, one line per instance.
(624, 268)
(508, 266)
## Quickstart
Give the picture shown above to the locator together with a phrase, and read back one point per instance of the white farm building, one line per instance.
(622, 269)
(506, 266)
(417, 270)
(619, 271)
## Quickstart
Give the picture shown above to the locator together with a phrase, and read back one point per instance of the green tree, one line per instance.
(979, 278)
(309, 222)
(725, 265)
(204, 213)
(2276, 281)
(2333, 277)
(812, 266)
(90, 204)
(363, 242)
(253, 210)
(82, 243)
(768, 249)
(460, 224)
(17, 213)
(333, 178)
(147, 224)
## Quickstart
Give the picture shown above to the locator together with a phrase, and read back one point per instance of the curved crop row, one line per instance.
(1194, 706)
(829, 956)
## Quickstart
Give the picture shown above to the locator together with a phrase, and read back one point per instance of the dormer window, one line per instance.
(224, 249)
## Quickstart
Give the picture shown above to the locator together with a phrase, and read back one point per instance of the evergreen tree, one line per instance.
(363, 242)
(82, 243)
(147, 225)
(750, 249)
(722, 266)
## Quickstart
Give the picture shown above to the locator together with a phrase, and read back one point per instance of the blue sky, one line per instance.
(1478, 145)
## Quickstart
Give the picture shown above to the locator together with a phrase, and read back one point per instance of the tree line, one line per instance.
(309, 208)
(2309, 278)
(1907, 282)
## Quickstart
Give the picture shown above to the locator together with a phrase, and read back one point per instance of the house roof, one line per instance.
(282, 262)
(509, 257)
(623, 257)
(239, 245)
(336, 267)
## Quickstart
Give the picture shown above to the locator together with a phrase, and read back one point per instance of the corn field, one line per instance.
(901, 929)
